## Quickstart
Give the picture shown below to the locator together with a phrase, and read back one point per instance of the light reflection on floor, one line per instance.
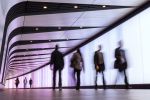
(71, 94)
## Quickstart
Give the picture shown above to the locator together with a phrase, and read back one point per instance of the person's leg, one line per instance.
(60, 80)
(96, 79)
(75, 76)
(117, 76)
(25, 85)
(54, 78)
(104, 83)
(78, 80)
(126, 79)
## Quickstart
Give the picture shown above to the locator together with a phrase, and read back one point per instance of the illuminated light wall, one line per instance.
(135, 36)
(134, 33)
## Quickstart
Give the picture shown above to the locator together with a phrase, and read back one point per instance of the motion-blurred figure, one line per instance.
(30, 82)
(57, 61)
(121, 62)
(99, 66)
(17, 82)
(77, 64)
(25, 82)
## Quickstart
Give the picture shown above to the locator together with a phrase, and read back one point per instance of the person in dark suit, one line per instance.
(30, 82)
(57, 61)
(121, 62)
(99, 66)
(17, 82)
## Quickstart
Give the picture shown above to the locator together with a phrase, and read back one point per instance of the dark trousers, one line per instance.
(77, 74)
(103, 77)
(25, 85)
(125, 77)
(54, 78)
(30, 85)
(17, 85)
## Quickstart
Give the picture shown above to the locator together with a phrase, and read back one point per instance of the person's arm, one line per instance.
(95, 59)
(126, 62)
(124, 54)
(51, 67)
(51, 61)
(103, 61)
(115, 53)
(82, 61)
(62, 61)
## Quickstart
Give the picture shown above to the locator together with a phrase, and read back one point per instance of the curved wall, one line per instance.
(135, 36)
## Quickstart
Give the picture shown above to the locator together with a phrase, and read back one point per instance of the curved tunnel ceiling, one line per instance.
(45, 24)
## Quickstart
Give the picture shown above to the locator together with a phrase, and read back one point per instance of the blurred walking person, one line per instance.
(99, 66)
(25, 82)
(121, 63)
(78, 65)
(30, 82)
(17, 82)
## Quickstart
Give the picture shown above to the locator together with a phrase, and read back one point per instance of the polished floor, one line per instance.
(70, 94)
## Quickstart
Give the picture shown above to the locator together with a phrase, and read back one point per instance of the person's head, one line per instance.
(100, 47)
(56, 47)
(120, 44)
(78, 51)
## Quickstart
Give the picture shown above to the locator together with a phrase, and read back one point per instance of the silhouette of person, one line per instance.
(17, 82)
(57, 61)
(121, 62)
(77, 64)
(25, 82)
(99, 66)
(30, 82)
